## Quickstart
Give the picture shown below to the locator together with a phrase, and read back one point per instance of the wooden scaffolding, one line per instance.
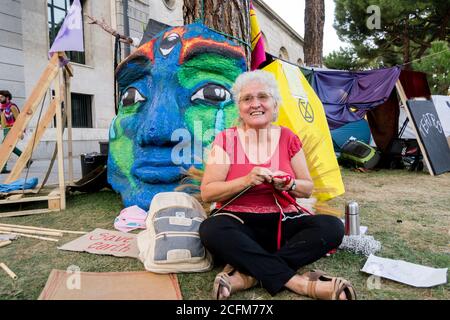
(56, 76)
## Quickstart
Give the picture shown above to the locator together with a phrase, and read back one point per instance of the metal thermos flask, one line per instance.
(352, 218)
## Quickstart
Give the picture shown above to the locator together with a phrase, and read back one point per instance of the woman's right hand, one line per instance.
(257, 176)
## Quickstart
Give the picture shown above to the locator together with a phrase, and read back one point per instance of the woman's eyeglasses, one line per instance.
(262, 97)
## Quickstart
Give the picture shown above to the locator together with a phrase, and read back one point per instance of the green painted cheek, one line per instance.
(199, 119)
(122, 149)
(232, 114)
(204, 118)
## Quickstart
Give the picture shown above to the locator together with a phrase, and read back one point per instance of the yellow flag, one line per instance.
(302, 112)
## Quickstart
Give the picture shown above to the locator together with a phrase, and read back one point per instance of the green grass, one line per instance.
(408, 212)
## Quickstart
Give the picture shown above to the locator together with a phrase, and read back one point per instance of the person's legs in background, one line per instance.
(5, 168)
(16, 151)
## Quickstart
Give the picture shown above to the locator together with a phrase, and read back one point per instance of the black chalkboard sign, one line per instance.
(430, 134)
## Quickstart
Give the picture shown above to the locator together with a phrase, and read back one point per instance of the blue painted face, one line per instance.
(181, 79)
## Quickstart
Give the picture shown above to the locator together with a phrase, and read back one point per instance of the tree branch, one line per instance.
(110, 30)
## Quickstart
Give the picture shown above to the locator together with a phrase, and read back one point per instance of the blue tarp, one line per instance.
(19, 185)
(347, 96)
(357, 129)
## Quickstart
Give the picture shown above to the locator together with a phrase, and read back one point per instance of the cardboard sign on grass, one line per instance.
(101, 241)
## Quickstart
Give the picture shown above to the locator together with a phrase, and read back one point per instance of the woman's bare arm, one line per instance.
(214, 187)
(302, 177)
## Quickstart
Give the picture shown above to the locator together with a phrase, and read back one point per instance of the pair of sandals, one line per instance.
(338, 285)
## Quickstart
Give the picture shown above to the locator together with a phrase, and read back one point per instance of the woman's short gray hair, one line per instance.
(260, 76)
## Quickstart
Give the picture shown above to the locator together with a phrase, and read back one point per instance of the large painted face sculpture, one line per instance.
(175, 92)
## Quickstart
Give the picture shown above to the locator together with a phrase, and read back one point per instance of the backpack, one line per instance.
(171, 243)
(359, 154)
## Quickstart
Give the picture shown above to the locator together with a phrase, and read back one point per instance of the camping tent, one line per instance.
(349, 96)
(303, 113)
(358, 129)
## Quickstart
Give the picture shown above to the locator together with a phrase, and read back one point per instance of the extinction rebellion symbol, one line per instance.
(306, 110)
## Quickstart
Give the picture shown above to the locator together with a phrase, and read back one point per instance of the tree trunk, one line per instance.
(231, 17)
(406, 47)
(314, 22)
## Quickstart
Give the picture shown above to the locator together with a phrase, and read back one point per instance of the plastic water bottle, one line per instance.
(352, 218)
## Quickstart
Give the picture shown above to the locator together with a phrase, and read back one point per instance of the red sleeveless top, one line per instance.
(258, 199)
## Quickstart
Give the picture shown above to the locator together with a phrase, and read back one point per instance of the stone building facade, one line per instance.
(24, 33)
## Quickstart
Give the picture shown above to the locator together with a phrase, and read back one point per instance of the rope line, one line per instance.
(34, 141)
(433, 54)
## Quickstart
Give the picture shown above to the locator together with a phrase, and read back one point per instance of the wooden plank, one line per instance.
(8, 271)
(67, 67)
(33, 232)
(403, 98)
(69, 125)
(26, 191)
(40, 228)
(5, 243)
(59, 140)
(28, 110)
(54, 193)
(32, 236)
(24, 213)
(15, 196)
(29, 199)
(32, 144)
(54, 204)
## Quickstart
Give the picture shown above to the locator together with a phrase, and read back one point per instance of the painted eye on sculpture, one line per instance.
(168, 43)
(212, 94)
(131, 97)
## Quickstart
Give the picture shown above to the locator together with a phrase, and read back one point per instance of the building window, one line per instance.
(81, 110)
(56, 12)
(283, 54)
(300, 62)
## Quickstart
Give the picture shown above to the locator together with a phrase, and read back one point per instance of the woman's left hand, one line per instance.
(284, 183)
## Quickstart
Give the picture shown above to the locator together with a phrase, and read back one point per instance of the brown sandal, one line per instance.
(223, 280)
(339, 285)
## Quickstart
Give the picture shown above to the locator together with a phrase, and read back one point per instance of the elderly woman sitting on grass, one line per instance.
(254, 161)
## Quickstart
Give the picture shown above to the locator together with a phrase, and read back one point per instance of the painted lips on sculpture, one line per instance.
(156, 170)
(156, 175)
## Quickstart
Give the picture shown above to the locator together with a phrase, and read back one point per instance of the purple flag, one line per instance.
(70, 36)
